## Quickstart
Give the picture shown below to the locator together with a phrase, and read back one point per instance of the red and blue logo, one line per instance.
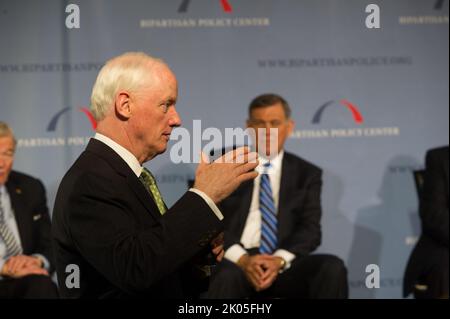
(354, 111)
(52, 125)
(226, 7)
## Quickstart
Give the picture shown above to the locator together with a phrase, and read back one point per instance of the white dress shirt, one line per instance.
(251, 235)
(136, 167)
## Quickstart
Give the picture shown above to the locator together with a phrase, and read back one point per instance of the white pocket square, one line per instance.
(37, 217)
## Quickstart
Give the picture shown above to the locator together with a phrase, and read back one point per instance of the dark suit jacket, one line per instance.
(29, 202)
(433, 243)
(107, 224)
(299, 209)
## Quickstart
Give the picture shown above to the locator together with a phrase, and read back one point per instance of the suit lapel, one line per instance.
(20, 213)
(144, 196)
(285, 194)
(122, 168)
(246, 192)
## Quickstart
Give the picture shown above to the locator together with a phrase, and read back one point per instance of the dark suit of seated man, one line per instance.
(25, 247)
(273, 223)
(427, 270)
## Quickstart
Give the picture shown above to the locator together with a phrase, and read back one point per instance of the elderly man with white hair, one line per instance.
(111, 226)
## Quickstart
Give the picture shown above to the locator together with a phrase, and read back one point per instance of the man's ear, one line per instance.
(291, 126)
(122, 105)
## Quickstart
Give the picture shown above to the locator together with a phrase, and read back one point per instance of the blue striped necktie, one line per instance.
(269, 223)
(12, 246)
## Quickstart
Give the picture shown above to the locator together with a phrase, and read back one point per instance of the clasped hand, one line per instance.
(260, 270)
(21, 266)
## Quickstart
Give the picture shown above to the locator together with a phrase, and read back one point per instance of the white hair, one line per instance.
(6, 131)
(129, 71)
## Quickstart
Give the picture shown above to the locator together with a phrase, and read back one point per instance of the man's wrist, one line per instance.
(211, 203)
(282, 263)
(243, 261)
(3, 270)
(40, 261)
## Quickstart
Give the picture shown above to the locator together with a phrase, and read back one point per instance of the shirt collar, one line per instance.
(125, 154)
(275, 163)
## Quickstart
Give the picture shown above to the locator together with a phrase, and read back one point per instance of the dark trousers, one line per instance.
(28, 287)
(310, 277)
(435, 278)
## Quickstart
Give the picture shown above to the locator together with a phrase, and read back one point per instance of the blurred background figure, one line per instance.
(25, 247)
(427, 271)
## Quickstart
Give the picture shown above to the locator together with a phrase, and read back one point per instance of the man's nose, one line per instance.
(175, 119)
(269, 130)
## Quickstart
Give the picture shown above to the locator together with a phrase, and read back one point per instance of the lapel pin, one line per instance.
(18, 191)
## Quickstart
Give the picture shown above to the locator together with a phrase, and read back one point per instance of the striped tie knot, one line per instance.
(266, 168)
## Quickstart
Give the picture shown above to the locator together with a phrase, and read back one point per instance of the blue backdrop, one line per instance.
(367, 103)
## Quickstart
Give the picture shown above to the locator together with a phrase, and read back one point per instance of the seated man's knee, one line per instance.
(333, 266)
(229, 270)
(332, 280)
(228, 281)
(38, 286)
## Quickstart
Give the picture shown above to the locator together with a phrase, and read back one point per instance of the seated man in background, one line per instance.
(25, 248)
(273, 222)
(427, 270)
